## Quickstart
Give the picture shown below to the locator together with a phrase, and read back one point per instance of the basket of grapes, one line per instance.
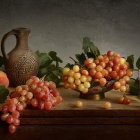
(93, 74)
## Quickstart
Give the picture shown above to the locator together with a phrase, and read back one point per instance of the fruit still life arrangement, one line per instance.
(36, 77)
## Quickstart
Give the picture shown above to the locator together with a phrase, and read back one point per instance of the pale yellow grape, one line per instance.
(81, 87)
(107, 105)
(79, 104)
(122, 61)
(126, 78)
(92, 65)
(83, 78)
(71, 73)
(76, 68)
(70, 79)
(77, 82)
(86, 84)
(22, 98)
(77, 75)
(123, 88)
(85, 90)
(65, 71)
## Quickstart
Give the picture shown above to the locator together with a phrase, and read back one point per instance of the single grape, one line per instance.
(83, 78)
(34, 102)
(66, 71)
(123, 88)
(70, 79)
(15, 114)
(10, 119)
(77, 75)
(29, 95)
(16, 122)
(129, 72)
(4, 116)
(117, 85)
(81, 87)
(98, 75)
(78, 82)
(92, 72)
(71, 73)
(110, 53)
(107, 105)
(85, 72)
(12, 128)
(19, 107)
(48, 105)
(76, 68)
(126, 78)
(88, 61)
(89, 78)
(99, 68)
(103, 81)
(79, 104)
(122, 61)
(92, 65)
(86, 84)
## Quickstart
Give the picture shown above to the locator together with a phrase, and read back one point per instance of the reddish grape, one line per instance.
(92, 72)
(19, 107)
(12, 128)
(110, 53)
(15, 114)
(48, 105)
(16, 122)
(98, 75)
(10, 119)
(11, 107)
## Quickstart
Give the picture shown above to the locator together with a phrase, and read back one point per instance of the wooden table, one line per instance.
(122, 122)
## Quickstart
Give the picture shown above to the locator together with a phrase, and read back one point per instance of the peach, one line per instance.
(4, 79)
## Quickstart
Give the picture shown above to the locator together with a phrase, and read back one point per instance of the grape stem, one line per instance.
(73, 60)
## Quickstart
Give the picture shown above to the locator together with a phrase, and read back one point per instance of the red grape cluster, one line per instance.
(108, 67)
(36, 93)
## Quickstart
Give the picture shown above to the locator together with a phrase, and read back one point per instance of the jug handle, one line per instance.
(3, 43)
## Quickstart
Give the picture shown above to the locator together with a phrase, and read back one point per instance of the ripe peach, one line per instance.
(4, 79)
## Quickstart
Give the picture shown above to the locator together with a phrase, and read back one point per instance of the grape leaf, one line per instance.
(89, 47)
(54, 56)
(3, 93)
(69, 65)
(81, 58)
(44, 59)
(138, 63)
(130, 60)
(49, 66)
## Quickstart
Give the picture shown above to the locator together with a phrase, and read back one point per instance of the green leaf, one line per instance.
(134, 86)
(3, 93)
(44, 59)
(69, 65)
(81, 58)
(89, 47)
(130, 60)
(1, 61)
(54, 56)
(138, 63)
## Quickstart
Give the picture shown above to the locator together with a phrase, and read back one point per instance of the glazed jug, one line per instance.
(21, 63)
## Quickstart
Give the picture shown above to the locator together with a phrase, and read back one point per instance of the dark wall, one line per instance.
(60, 25)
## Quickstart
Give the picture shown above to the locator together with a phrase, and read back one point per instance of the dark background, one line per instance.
(60, 25)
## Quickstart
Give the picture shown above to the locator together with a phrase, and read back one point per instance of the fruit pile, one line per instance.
(36, 93)
(108, 67)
